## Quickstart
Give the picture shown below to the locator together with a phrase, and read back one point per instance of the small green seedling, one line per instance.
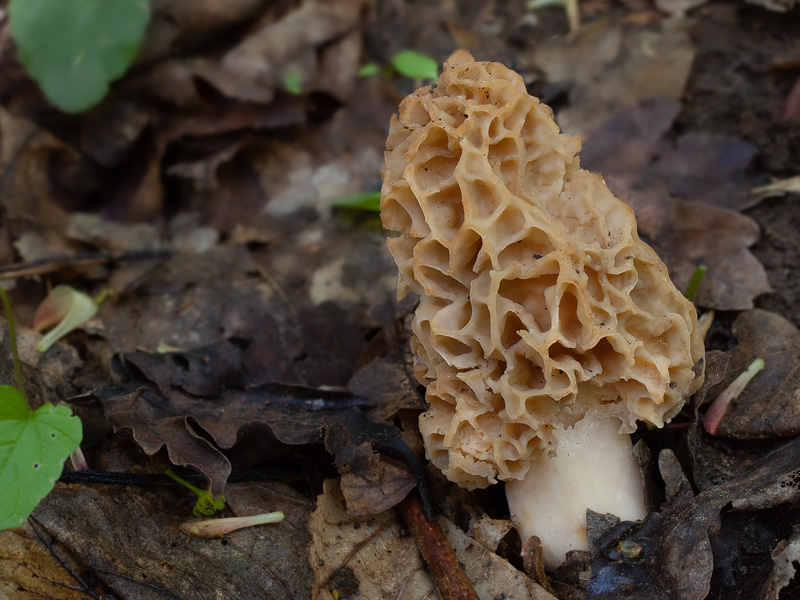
(292, 82)
(694, 283)
(364, 201)
(205, 505)
(409, 63)
(719, 407)
(74, 49)
(64, 309)
(368, 70)
(221, 527)
(415, 65)
(33, 444)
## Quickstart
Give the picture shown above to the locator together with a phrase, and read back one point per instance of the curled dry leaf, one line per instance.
(182, 413)
(369, 557)
(36, 193)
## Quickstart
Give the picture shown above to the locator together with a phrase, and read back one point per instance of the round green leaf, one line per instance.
(415, 65)
(75, 48)
(33, 448)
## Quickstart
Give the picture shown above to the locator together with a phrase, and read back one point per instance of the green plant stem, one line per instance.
(104, 293)
(184, 483)
(694, 283)
(12, 334)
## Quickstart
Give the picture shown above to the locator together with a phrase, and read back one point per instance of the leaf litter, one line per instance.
(263, 291)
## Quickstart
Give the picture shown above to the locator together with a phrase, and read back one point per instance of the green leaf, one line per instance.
(33, 448)
(415, 65)
(368, 70)
(364, 201)
(206, 504)
(292, 81)
(75, 48)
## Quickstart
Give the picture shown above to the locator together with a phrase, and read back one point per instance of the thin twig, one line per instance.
(12, 335)
(88, 477)
(53, 264)
(451, 581)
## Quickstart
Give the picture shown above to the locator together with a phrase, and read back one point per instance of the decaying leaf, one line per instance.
(191, 387)
(678, 203)
(678, 551)
(369, 557)
(709, 169)
(688, 234)
(769, 406)
(610, 67)
(28, 566)
(786, 554)
(678, 7)
(137, 550)
(376, 487)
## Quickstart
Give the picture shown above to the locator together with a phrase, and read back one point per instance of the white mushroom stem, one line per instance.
(594, 468)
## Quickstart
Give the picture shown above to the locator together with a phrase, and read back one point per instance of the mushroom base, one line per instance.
(594, 468)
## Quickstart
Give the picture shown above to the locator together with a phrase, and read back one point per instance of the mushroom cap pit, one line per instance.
(539, 304)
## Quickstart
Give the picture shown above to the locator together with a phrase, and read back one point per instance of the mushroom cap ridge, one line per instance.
(539, 304)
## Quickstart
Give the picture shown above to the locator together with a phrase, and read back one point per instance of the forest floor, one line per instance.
(252, 340)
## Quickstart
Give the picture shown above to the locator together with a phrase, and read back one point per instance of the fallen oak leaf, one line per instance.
(195, 431)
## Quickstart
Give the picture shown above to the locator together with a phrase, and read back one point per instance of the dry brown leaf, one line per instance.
(177, 26)
(688, 234)
(784, 558)
(678, 7)
(136, 549)
(768, 407)
(609, 67)
(710, 169)
(40, 177)
(258, 65)
(377, 488)
(681, 545)
(364, 558)
(29, 569)
(684, 233)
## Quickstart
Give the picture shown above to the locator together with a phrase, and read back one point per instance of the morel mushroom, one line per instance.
(545, 328)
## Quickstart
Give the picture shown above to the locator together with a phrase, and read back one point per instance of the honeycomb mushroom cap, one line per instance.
(538, 301)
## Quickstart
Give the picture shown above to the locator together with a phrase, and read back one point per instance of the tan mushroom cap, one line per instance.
(538, 301)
